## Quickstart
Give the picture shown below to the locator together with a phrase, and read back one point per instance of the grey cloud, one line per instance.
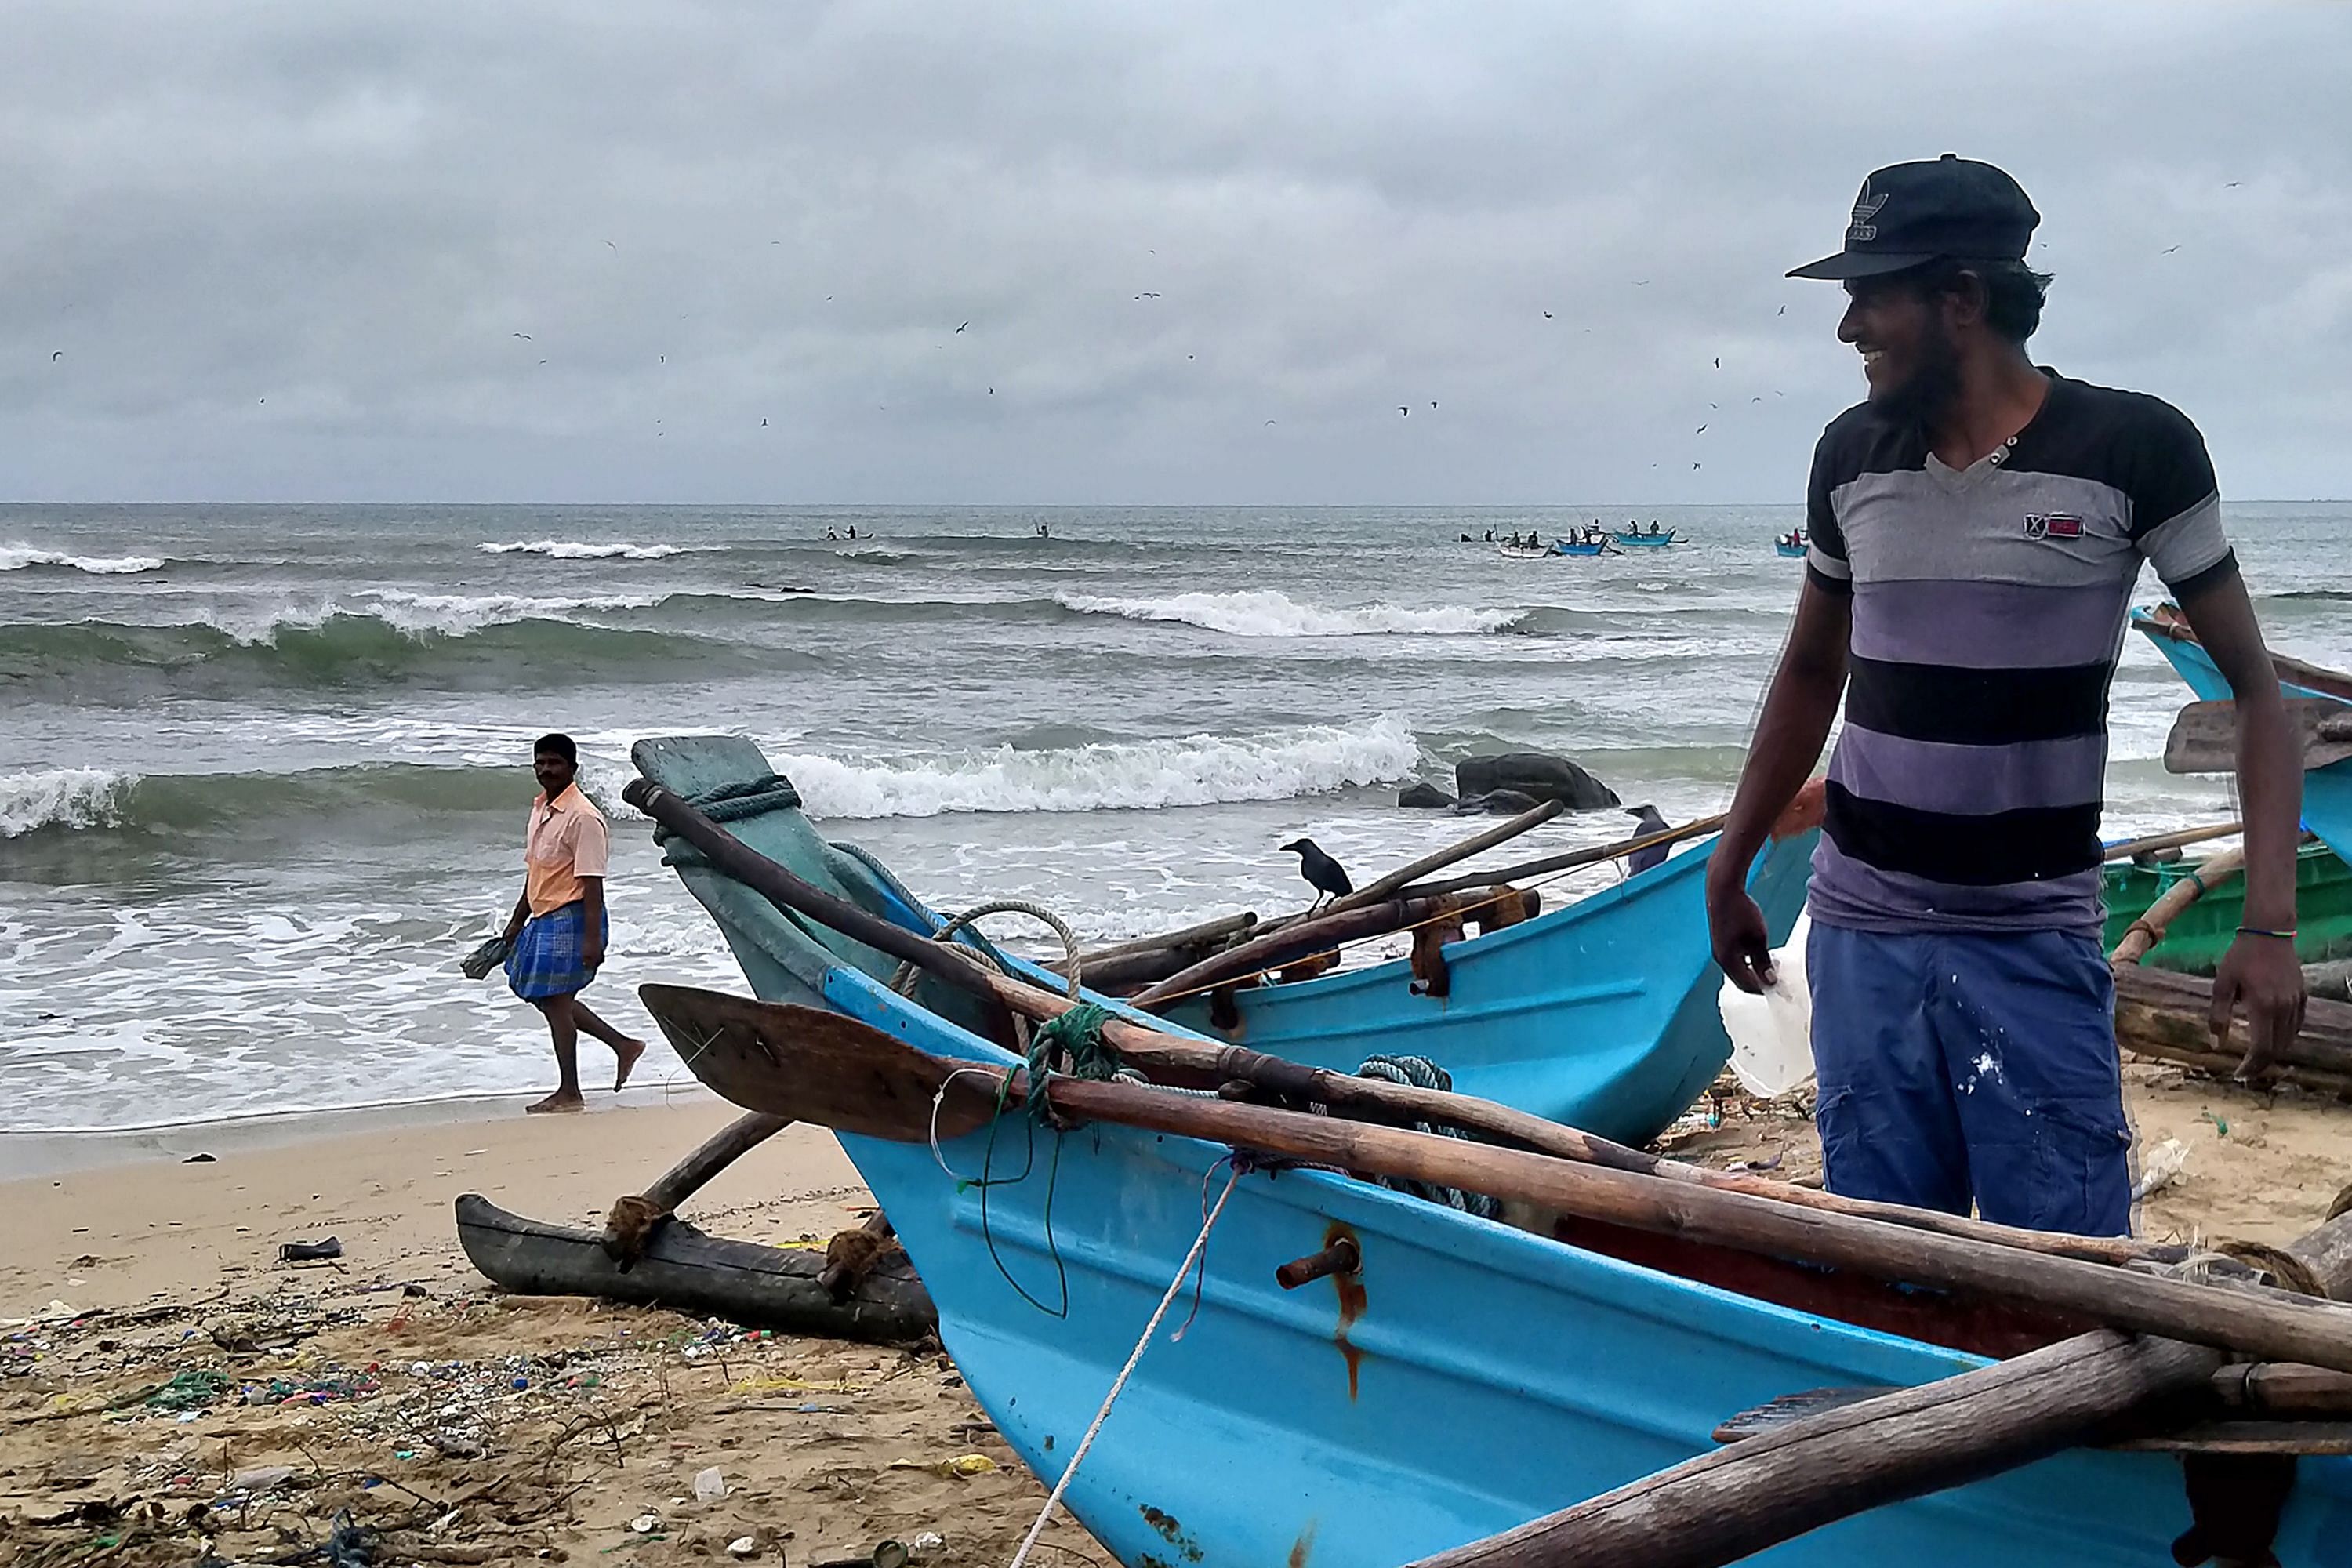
(347, 212)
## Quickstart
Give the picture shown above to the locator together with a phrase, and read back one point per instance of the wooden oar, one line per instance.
(1295, 940)
(1204, 1064)
(1386, 886)
(1568, 860)
(2132, 849)
(828, 1068)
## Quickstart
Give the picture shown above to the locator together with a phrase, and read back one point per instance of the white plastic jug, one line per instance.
(1772, 1035)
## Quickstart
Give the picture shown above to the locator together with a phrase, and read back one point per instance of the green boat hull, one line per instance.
(2202, 933)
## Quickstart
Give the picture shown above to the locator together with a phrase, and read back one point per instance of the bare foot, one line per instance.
(628, 1051)
(558, 1104)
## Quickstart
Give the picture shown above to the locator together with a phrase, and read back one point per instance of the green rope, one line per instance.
(1071, 1042)
(734, 802)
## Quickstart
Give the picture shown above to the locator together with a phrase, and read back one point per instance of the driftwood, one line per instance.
(2164, 1015)
(683, 1268)
(1728, 1504)
(635, 1216)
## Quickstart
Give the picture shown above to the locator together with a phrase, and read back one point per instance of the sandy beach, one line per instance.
(166, 1376)
(159, 1362)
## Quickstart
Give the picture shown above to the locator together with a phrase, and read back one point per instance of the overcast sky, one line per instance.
(285, 251)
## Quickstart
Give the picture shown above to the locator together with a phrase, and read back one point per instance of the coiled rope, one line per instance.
(728, 803)
(1420, 1072)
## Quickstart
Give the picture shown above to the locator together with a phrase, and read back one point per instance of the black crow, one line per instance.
(1646, 821)
(1322, 873)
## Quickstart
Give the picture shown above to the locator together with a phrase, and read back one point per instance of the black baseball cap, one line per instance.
(1911, 213)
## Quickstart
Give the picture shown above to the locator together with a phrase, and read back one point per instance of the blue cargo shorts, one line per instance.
(1973, 1067)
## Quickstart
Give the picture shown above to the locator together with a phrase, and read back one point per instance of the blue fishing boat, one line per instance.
(1627, 536)
(1578, 547)
(1782, 547)
(1601, 1013)
(2326, 791)
(1462, 1378)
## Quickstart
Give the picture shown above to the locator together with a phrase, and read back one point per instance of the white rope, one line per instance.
(1175, 1287)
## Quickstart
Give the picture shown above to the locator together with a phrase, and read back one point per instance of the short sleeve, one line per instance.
(592, 848)
(1825, 558)
(2175, 502)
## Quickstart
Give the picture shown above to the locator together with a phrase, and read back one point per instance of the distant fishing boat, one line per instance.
(1523, 551)
(1362, 1375)
(2327, 791)
(1793, 552)
(1578, 547)
(1652, 541)
(1600, 1012)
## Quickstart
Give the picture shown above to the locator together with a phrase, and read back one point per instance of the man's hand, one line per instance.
(2260, 972)
(1742, 946)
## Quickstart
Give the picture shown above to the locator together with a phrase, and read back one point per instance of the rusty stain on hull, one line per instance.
(1303, 1546)
(1166, 1525)
(1352, 1301)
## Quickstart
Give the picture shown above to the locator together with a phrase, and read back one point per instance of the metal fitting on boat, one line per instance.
(1340, 1258)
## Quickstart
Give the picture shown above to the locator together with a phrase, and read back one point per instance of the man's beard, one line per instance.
(1931, 387)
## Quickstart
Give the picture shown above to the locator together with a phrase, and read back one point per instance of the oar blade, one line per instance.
(816, 1066)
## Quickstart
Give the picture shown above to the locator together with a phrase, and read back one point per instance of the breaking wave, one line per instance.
(1111, 775)
(1266, 613)
(18, 557)
(583, 550)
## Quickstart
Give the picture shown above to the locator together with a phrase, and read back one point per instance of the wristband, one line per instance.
(2286, 935)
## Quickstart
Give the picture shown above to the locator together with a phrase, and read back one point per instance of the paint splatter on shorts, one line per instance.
(1973, 1066)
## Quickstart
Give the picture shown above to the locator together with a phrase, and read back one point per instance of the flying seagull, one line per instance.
(764, 425)
(1547, 315)
(1404, 410)
(524, 336)
(966, 325)
(1323, 874)
(1781, 311)
(2171, 249)
(57, 356)
(1718, 362)
(1700, 431)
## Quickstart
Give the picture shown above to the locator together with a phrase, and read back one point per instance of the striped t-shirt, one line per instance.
(1989, 609)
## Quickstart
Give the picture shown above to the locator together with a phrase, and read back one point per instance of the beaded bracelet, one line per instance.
(2286, 935)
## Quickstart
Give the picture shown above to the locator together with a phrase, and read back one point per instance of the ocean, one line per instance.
(263, 770)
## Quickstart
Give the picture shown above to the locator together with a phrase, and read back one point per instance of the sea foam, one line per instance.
(1195, 770)
(1266, 613)
(17, 557)
(581, 549)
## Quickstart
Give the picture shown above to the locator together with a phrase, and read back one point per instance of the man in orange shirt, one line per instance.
(559, 928)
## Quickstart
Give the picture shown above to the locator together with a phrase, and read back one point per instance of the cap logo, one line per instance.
(1866, 207)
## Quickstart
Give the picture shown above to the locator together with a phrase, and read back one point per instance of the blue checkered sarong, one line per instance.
(546, 957)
